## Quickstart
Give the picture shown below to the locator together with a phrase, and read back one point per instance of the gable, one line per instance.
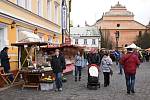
(110, 24)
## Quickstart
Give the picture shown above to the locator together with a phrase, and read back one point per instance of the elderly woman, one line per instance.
(106, 64)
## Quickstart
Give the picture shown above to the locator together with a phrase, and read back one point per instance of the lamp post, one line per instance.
(100, 38)
(117, 36)
(117, 39)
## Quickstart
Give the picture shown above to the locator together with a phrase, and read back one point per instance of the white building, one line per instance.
(85, 36)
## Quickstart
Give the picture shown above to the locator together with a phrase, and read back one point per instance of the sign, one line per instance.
(64, 16)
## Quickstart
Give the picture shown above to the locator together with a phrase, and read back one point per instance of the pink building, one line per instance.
(128, 27)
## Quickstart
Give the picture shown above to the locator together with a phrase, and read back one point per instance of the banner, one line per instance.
(64, 15)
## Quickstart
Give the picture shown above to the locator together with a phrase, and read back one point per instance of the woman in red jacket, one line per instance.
(130, 62)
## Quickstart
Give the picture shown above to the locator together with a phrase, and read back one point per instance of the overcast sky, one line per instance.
(92, 10)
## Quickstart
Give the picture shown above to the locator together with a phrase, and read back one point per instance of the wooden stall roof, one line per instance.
(61, 46)
(29, 43)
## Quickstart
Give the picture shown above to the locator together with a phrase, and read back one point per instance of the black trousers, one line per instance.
(106, 78)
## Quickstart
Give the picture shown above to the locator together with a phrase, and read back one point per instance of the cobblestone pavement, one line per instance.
(78, 91)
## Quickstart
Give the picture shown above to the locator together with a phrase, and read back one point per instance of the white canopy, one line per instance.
(26, 36)
(133, 46)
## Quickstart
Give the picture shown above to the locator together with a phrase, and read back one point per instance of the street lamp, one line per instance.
(117, 39)
(13, 24)
(100, 38)
(35, 31)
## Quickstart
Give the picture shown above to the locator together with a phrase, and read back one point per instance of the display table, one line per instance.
(32, 77)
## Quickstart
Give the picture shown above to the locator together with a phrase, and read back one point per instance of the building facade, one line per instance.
(42, 17)
(85, 36)
(122, 20)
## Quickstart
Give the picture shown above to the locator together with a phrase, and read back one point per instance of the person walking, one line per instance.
(106, 64)
(93, 57)
(117, 57)
(147, 56)
(5, 62)
(120, 65)
(78, 65)
(130, 62)
(101, 54)
(58, 65)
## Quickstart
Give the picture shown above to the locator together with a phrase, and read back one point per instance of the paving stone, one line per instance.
(77, 90)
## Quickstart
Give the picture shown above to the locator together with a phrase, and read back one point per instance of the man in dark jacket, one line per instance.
(58, 65)
(5, 61)
(130, 62)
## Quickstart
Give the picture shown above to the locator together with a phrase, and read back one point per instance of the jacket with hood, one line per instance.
(106, 63)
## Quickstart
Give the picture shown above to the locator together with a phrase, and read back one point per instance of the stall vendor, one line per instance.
(5, 61)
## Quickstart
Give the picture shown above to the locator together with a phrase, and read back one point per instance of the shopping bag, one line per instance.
(111, 72)
(73, 72)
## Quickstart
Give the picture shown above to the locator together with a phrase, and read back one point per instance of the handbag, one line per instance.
(111, 71)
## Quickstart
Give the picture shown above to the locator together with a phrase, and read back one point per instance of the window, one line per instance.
(118, 25)
(21, 3)
(49, 9)
(28, 4)
(3, 36)
(93, 42)
(85, 41)
(88, 32)
(40, 8)
(56, 13)
(140, 33)
(25, 4)
(57, 40)
(41, 37)
(50, 40)
(76, 41)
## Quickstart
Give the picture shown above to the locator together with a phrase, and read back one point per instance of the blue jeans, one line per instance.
(58, 80)
(78, 69)
(130, 82)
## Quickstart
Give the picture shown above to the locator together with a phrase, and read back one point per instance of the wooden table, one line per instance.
(32, 78)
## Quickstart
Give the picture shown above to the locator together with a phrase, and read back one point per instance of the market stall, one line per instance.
(33, 65)
(133, 46)
(69, 52)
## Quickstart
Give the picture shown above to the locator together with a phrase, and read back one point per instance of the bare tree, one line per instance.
(106, 39)
(143, 40)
